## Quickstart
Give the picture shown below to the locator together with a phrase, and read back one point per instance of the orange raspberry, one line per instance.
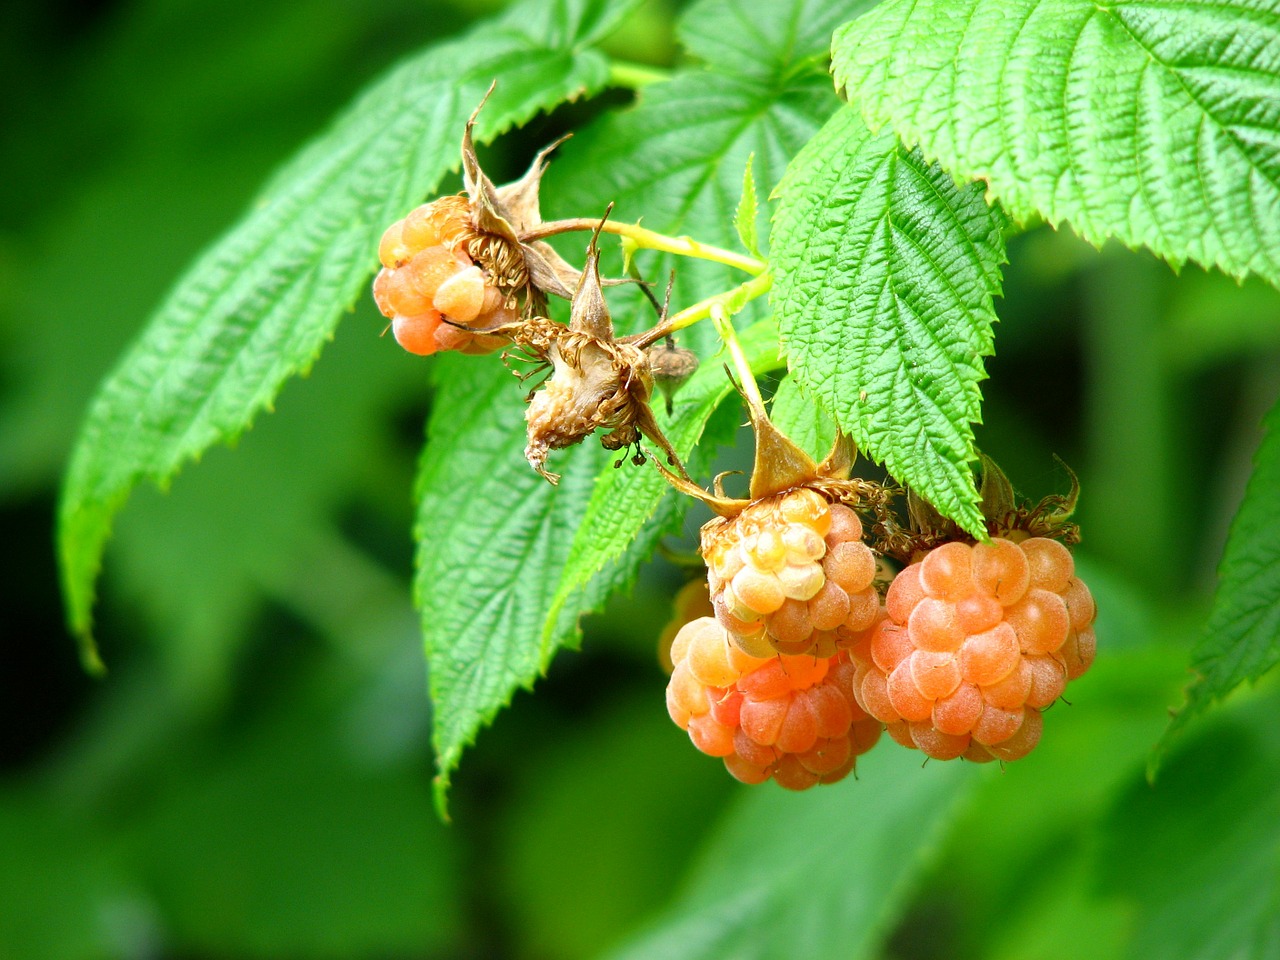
(976, 640)
(426, 271)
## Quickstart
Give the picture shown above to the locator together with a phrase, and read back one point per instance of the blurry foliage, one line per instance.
(253, 779)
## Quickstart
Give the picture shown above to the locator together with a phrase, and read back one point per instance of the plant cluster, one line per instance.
(932, 603)
(813, 641)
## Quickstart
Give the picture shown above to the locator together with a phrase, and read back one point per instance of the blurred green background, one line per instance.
(253, 777)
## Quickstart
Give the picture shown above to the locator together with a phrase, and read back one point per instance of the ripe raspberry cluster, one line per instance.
(976, 640)
(790, 718)
(791, 575)
(428, 277)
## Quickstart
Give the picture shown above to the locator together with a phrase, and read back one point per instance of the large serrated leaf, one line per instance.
(816, 875)
(259, 306)
(492, 539)
(885, 276)
(1242, 639)
(646, 162)
(1155, 122)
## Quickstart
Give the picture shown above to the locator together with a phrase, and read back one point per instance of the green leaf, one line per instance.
(814, 875)
(259, 306)
(744, 218)
(493, 538)
(1154, 122)
(764, 39)
(796, 415)
(1242, 639)
(507, 564)
(885, 276)
(676, 158)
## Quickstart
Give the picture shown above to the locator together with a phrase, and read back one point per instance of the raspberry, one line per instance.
(789, 718)
(976, 640)
(437, 296)
(791, 575)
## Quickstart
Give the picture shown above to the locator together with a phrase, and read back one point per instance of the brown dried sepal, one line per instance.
(1004, 514)
(597, 382)
(501, 216)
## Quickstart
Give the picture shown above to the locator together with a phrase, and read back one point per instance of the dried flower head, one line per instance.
(597, 381)
(501, 216)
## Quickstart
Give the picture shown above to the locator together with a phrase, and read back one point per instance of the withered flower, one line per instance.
(597, 380)
(501, 216)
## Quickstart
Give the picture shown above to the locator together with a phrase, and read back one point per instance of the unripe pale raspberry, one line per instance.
(975, 641)
(791, 575)
(790, 718)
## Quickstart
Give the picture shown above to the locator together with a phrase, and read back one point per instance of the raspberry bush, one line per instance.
(745, 235)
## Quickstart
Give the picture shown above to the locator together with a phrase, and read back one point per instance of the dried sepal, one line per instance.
(1005, 516)
(780, 465)
(502, 215)
(995, 492)
(838, 463)
(597, 382)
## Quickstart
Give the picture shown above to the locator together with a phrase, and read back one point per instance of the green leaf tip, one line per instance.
(744, 219)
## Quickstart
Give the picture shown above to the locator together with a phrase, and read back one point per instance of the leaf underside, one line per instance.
(594, 530)
(886, 272)
(259, 306)
(1156, 122)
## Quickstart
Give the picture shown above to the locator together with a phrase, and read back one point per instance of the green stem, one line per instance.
(730, 301)
(646, 239)
(622, 73)
(724, 327)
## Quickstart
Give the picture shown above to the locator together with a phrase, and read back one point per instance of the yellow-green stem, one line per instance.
(646, 239)
(623, 73)
(724, 327)
(732, 300)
